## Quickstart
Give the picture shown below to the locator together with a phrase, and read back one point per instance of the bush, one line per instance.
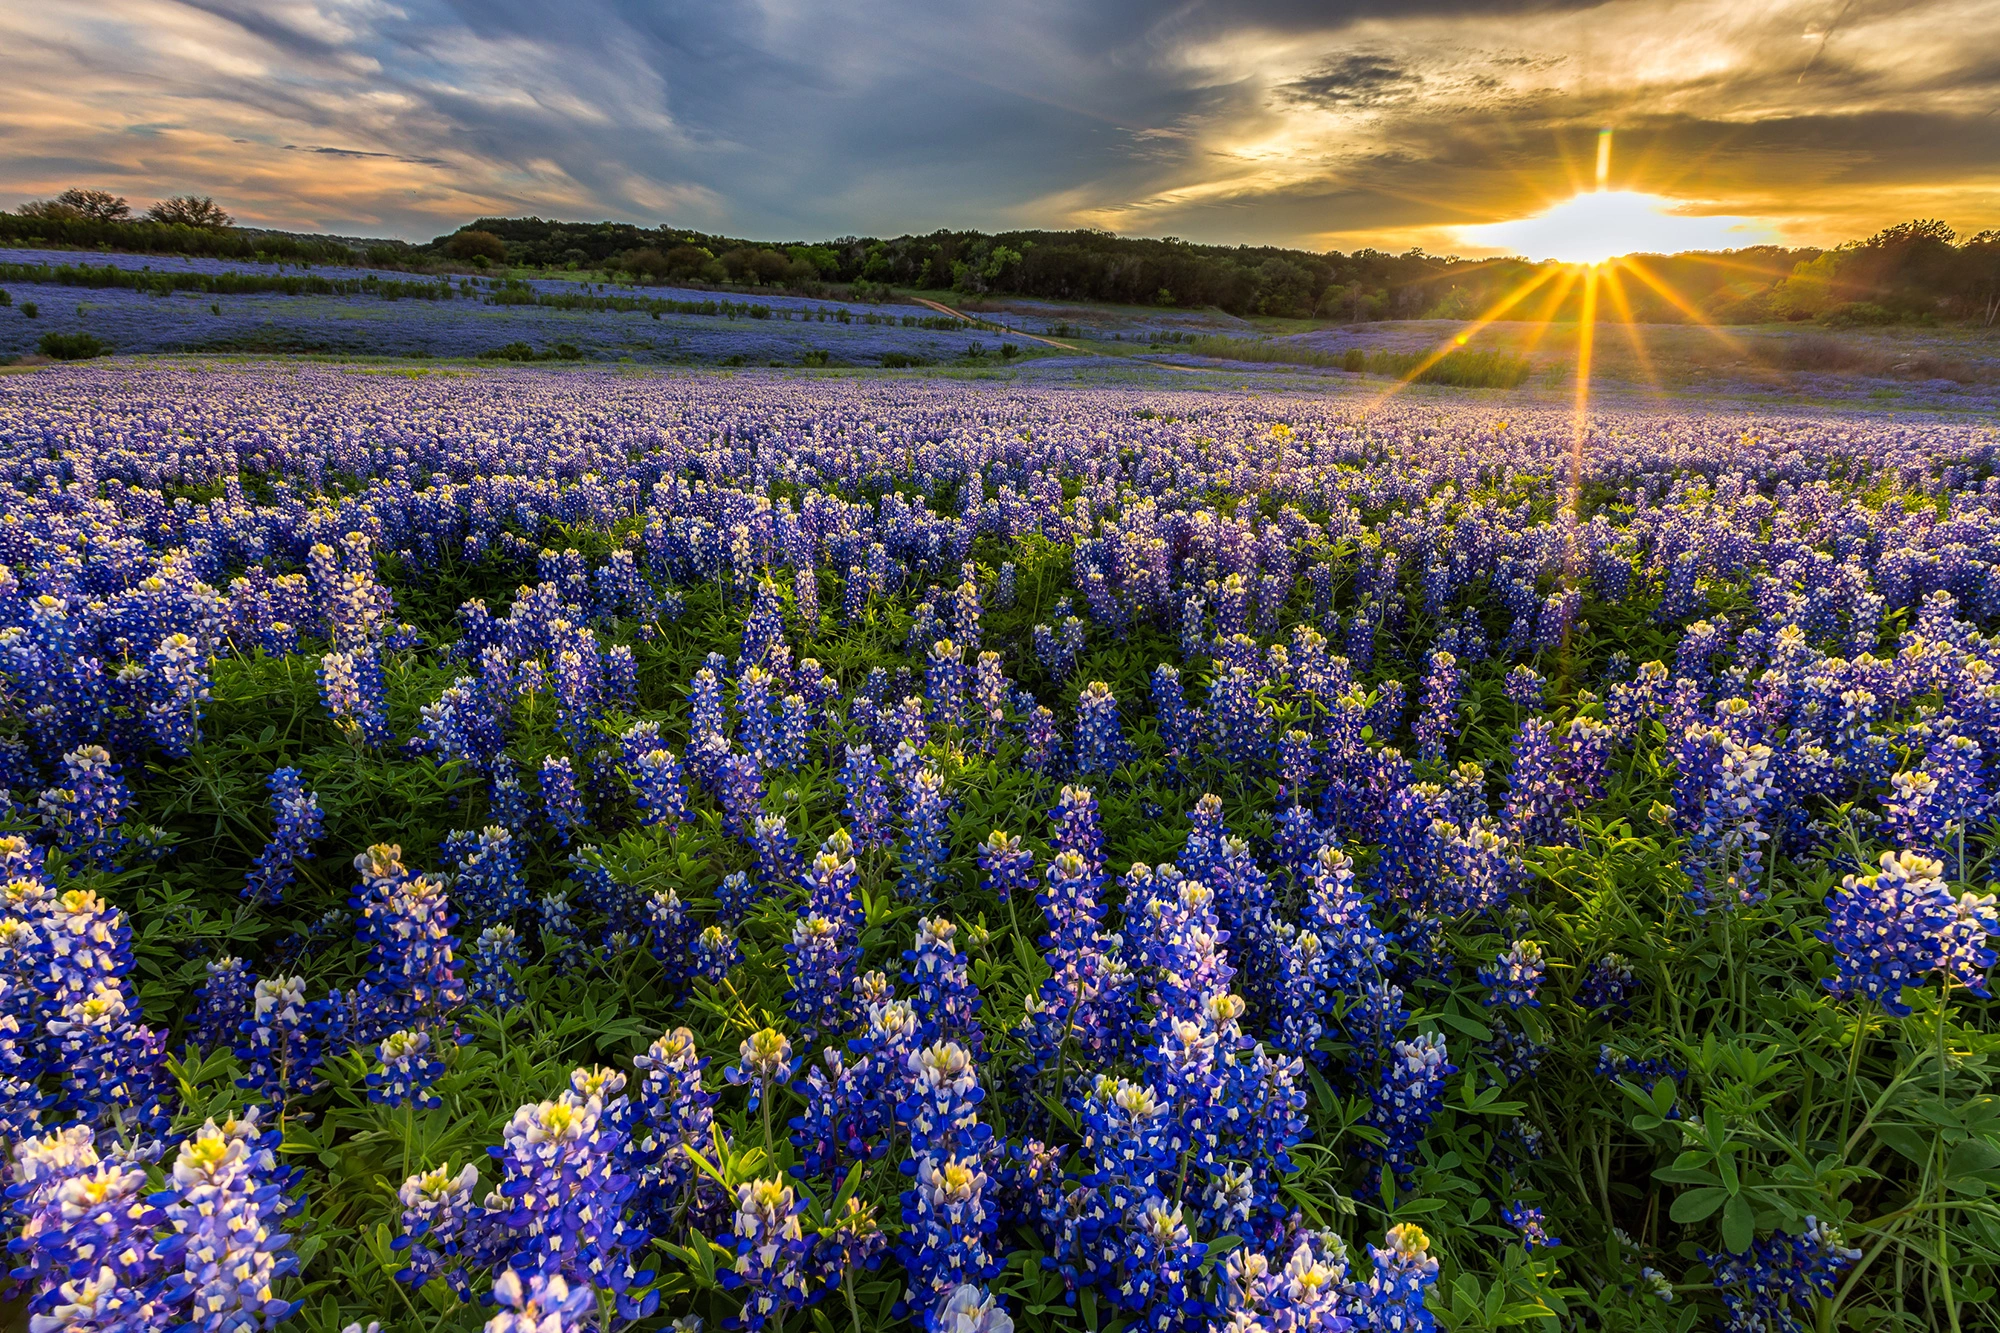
(71, 346)
(1354, 360)
(1858, 314)
(30, 309)
(903, 360)
(472, 244)
(6, 298)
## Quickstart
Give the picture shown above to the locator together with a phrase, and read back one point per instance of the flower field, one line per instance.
(235, 306)
(558, 852)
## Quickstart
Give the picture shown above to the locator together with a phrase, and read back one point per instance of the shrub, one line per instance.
(903, 360)
(6, 297)
(1858, 314)
(71, 346)
(1354, 360)
(30, 309)
(474, 244)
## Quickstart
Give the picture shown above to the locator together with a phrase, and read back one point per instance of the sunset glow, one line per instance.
(1605, 224)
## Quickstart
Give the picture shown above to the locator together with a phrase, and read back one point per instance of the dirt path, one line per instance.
(1036, 337)
(1001, 328)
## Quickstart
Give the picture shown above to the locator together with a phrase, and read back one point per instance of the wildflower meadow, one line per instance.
(558, 851)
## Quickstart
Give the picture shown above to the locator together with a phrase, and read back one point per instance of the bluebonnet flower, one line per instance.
(655, 775)
(1437, 717)
(1101, 746)
(1512, 979)
(407, 1071)
(1007, 867)
(437, 1205)
(561, 804)
(779, 865)
(563, 1191)
(1179, 725)
(1306, 1295)
(488, 877)
(543, 1303)
(946, 1003)
(351, 685)
(1528, 1220)
(406, 921)
(221, 1003)
(772, 1270)
(178, 674)
(83, 815)
(739, 790)
(1410, 1093)
(763, 1061)
(91, 1221)
(496, 958)
(833, 884)
(1525, 686)
(715, 953)
(922, 849)
(1644, 1073)
(1895, 927)
(705, 713)
(947, 1225)
(944, 681)
(1238, 719)
(1003, 587)
(788, 750)
(867, 799)
(227, 1207)
(298, 825)
(1392, 1300)
(283, 1041)
(1077, 828)
(1777, 1278)
(1043, 744)
(510, 803)
(1723, 793)
(753, 709)
(817, 961)
(669, 931)
(941, 1104)
(1609, 983)
(675, 1113)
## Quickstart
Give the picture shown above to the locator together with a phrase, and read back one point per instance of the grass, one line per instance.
(1464, 369)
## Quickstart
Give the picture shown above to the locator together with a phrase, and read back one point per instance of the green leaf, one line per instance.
(1697, 1204)
(1739, 1224)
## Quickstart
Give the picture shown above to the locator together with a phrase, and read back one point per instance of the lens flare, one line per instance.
(1605, 224)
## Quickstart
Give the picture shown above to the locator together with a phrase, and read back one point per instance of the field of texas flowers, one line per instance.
(569, 852)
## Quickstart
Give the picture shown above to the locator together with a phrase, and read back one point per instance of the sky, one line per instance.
(1326, 124)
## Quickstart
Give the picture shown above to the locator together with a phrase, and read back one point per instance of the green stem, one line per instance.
(765, 1102)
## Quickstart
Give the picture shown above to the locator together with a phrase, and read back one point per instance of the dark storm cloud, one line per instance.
(1260, 120)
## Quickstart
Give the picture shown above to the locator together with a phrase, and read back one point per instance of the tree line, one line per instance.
(1914, 272)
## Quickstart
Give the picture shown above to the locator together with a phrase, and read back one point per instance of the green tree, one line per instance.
(190, 210)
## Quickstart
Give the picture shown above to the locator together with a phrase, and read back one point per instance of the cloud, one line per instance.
(1355, 80)
(1291, 121)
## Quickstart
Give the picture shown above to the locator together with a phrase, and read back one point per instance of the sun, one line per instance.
(1607, 224)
